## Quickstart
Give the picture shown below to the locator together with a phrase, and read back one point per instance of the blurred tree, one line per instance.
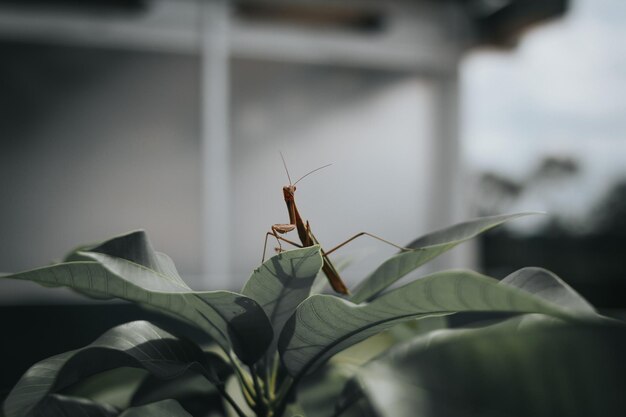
(610, 211)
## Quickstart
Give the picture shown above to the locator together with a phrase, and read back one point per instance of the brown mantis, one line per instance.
(306, 235)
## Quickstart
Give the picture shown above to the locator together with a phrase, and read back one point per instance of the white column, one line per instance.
(448, 199)
(214, 52)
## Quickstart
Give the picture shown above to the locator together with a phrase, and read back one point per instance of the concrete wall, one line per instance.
(99, 142)
(375, 128)
(94, 143)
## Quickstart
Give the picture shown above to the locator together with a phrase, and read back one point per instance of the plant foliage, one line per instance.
(273, 341)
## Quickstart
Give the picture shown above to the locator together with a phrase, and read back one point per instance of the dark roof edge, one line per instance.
(504, 26)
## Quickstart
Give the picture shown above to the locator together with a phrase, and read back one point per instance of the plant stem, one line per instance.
(231, 401)
(261, 407)
(282, 395)
(269, 390)
(263, 393)
(241, 377)
(284, 386)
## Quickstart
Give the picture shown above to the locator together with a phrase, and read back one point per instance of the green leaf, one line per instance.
(283, 282)
(426, 248)
(191, 391)
(515, 369)
(137, 344)
(231, 319)
(57, 405)
(134, 247)
(114, 387)
(323, 325)
(166, 408)
(549, 286)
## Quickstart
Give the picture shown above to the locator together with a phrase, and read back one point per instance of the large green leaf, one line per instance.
(324, 325)
(137, 344)
(114, 387)
(283, 282)
(231, 319)
(165, 408)
(537, 281)
(426, 248)
(134, 247)
(57, 405)
(518, 368)
(192, 391)
(549, 286)
(319, 391)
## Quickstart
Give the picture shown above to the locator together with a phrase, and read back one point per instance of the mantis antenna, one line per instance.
(285, 165)
(309, 173)
(302, 177)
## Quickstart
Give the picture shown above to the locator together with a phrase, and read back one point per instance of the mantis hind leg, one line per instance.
(370, 235)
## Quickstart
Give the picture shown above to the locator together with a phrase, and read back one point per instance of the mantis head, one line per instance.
(288, 192)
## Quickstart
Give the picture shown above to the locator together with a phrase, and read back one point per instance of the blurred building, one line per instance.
(170, 115)
(551, 138)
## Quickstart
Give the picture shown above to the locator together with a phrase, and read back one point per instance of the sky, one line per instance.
(561, 92)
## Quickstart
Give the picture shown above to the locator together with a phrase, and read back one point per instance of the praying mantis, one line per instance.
(306, 235)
